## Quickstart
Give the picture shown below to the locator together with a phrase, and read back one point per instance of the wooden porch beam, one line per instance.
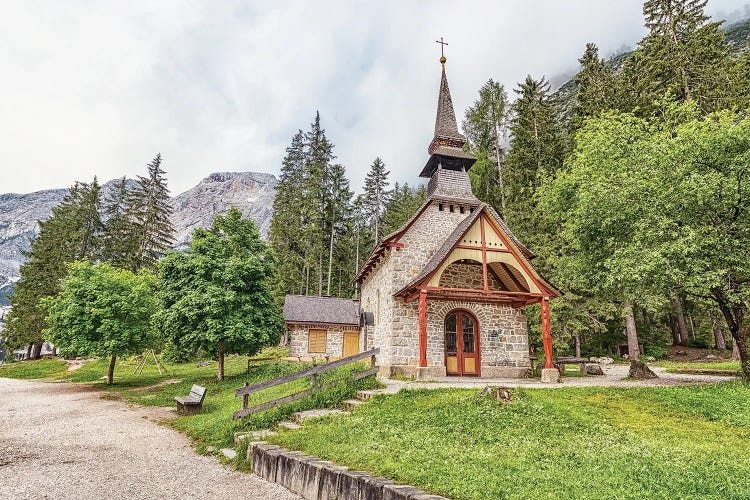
(423, 328)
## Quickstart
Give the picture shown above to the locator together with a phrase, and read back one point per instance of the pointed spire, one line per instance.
(446, 149)
(445, 121)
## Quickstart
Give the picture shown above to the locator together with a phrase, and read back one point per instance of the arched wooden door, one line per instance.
(461, 344)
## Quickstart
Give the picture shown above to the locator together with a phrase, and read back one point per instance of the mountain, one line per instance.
(251, 192)
(737, 35)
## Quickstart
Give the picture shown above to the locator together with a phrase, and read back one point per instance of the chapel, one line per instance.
(446, 293)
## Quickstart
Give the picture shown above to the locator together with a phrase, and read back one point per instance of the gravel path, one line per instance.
(64, 441)
(614, 376)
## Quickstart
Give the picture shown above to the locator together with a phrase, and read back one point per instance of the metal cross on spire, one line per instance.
(442, 47)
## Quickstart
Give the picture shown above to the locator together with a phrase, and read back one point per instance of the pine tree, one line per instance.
(70, 233)
(402, 204)
(536, 153)
(485, 125)
(338, 223)
(684, 57)
(148, 210)
(375, 196)
(596, 86)
(117, 235)
(287, 224)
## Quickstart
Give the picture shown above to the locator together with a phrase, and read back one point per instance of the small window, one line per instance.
(316, 341)
(377, 306)
(451, 208)
(440, 207)
(462, 209)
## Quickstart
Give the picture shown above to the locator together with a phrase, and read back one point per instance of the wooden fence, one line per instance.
(311, 372)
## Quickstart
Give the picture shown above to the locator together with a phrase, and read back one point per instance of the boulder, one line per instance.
(594, 369)
(602, 361)
(640, 370)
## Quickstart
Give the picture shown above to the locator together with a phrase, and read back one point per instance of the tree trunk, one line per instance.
(633, 348)
(734, 314)
(220, 368)
(111, 371)
(578, 346)
(675, 332)
(735, 351)
(28, 352)
(36, 351)
(680, 319)
(719, 340)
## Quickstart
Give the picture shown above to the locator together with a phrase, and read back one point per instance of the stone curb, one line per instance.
(316, 479)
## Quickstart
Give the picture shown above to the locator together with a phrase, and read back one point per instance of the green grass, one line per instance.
(671, 366)
(26, 370)
(214, 426)
(677, 442)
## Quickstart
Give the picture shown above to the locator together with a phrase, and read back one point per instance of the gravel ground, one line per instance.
(64, 441)
(614, 376)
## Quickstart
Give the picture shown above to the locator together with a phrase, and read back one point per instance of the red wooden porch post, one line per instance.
(423, 328)
(546, 334)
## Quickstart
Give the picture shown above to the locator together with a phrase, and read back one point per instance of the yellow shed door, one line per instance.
(351, 343)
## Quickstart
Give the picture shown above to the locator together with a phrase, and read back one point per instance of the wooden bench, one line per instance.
(192, 403)
(563, 360)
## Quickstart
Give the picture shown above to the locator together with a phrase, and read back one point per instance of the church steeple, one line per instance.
(446, 149)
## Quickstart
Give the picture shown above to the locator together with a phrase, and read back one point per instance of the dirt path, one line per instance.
(64, 441)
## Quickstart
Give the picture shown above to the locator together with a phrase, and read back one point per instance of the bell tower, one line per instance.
(448, 164)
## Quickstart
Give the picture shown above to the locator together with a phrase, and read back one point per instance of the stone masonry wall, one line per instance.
(459, 275)
(298, 340)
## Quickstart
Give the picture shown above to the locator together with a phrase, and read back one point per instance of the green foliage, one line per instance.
(596, 86)
(536, 154)
(312, 229)
(71, 233)
(455, 443)
(486, 127)
(646, 208)
(375, 196)
(148, 231)
(219, 296)
(402, 204)
(102, 311)
(658, 351)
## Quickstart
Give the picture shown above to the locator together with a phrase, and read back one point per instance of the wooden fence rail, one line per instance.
(311, 372)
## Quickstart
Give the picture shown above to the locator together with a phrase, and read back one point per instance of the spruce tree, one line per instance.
(375, 195)
(536, 153)
(149, 209)
(70, 233)
(402, 204)
(286, 232)
(684, 57)
(596, 86)
(485, 125)
(338, 226)
(117, 237)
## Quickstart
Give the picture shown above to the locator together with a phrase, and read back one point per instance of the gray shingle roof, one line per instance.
(328, 310)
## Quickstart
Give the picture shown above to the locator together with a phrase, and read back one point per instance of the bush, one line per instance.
(656, 351)
(175, 354)
(699, 343)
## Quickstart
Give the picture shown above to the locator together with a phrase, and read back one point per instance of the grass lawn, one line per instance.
(677, 442)
(214, 425)
(671, 366)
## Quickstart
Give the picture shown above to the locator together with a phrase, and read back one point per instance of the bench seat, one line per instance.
(193, 402)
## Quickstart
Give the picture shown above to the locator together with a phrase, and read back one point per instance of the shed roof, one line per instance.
(327, 310)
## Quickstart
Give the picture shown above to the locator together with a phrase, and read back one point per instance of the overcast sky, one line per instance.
(98, 88)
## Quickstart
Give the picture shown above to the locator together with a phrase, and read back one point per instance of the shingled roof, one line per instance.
(455, 237)
(321, 310)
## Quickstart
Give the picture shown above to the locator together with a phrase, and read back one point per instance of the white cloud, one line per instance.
(98, 88)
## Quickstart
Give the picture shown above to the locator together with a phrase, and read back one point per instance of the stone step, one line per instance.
(261, 435)
(350, 404)
(301, 416)
(289, 426)
(365, 395)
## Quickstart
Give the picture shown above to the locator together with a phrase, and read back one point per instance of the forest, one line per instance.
(627, 183)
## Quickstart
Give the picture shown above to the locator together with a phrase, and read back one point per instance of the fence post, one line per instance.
(245, 397)
(313, 381)
(372, 361)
